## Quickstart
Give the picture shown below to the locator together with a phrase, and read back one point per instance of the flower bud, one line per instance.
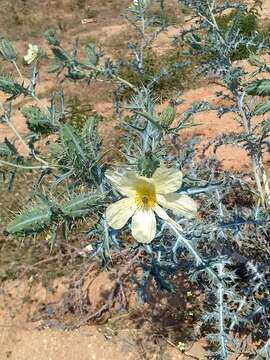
(147, 164)
(167, 116)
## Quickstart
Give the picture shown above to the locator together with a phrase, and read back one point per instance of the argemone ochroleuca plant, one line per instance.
(225, 250)
(143, 197)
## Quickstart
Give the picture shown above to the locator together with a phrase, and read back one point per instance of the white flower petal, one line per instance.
(118, 213)
(179, 204)
(143, 226)
(32, 53)
(123, 183)
(28, 59)
(161, 213)
(167, 180)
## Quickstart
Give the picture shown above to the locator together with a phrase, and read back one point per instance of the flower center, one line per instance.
(145, 197)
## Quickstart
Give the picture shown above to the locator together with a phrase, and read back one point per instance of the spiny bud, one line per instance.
(147, 164)
(9, 86)
(92, 55)
(167, 116)
(7, 51)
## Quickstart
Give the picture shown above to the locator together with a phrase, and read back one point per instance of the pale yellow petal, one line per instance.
(167, 180)
(161, 213)
(143, 226)
(118, 213)
(123, 183)
(179, 204)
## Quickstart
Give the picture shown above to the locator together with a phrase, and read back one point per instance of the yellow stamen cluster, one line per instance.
(145, 197)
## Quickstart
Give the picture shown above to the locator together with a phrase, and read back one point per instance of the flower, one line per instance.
(32, 53)
(145, 197)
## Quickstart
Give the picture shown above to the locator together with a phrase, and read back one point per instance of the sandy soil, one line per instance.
(21, 339)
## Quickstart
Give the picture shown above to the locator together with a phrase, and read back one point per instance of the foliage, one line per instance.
(163, 79)
(248, 25)
(215, 248)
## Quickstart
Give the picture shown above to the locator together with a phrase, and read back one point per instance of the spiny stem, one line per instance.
(118, 78)
(177, 230)
(260, 176)
(222, 334)
(3, 162)
(14, 130)
(17, 134)
(22, 79)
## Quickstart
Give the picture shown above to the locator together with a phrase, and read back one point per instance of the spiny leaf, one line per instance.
(9, 86)
(55, 67)
(82, 205)
(92, 55)
(37, 121)
(31, 221)
(259, 87)
(7, 51)
(255, 60)
(7, 149)
(50, 36)
(72, 142)
(262, 108)
(60, 54)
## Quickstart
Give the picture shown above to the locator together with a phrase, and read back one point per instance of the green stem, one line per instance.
(24, 166)
(260, 176)
(18, 70)
(14, 130)
(150, 118)
(118, 78)
(10, 125)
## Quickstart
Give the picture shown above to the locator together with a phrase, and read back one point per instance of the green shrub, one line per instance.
(78, 112)
(248, 24)
(177, 78)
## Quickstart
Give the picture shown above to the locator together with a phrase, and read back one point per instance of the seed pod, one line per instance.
(167, 117)
(31, 221)
(75, 75)
(82, 205)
